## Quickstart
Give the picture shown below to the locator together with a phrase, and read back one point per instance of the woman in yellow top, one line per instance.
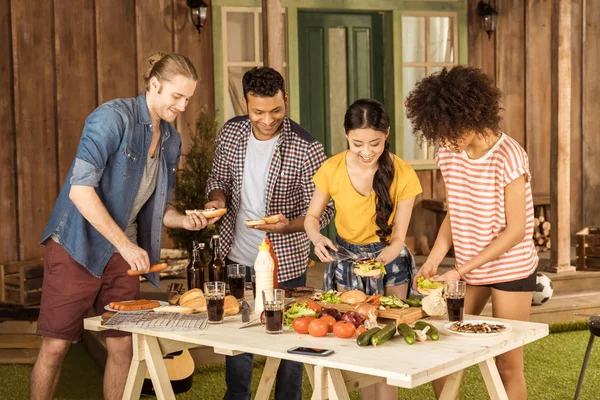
(374, 192)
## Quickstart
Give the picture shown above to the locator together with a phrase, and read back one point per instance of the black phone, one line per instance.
(309, 351)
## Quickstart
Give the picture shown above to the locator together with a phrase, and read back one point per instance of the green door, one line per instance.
(340, 61)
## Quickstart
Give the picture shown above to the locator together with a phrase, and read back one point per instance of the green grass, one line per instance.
(552, 367)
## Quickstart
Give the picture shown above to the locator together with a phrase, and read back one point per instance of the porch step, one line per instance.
(560, 308)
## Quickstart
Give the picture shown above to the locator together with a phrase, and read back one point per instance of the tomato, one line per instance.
(343, 329)
(318, 328)
(360, 330)
(314, 306)
(330, 321)
(301, 324)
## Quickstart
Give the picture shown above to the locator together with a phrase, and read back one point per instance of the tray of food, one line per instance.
(477, 328)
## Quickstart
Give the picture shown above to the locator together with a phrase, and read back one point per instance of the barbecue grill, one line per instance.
(594, 327)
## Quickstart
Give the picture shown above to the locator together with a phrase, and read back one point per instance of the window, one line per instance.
(429, 43)
(242, 51)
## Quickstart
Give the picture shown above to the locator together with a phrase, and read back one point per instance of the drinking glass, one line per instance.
(455, 299)
(214, 292)
(273, 300)
(236, 275)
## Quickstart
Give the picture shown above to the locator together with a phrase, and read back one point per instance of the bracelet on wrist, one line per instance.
(459, 274)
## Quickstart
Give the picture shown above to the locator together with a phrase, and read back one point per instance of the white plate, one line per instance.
(507, 328)
(107, 308)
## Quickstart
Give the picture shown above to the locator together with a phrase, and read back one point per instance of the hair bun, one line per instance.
(155, 57)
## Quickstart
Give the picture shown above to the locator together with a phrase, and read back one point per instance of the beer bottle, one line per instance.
(195, 268)
(216, 267)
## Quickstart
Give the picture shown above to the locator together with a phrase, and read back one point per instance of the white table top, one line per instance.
(403, 365)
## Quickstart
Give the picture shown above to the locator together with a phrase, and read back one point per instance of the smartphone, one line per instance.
(309, 351)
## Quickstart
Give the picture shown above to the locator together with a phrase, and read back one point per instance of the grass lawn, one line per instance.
(552, 367)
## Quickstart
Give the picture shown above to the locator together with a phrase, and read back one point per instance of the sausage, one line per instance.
(139, 307)
(118, 305)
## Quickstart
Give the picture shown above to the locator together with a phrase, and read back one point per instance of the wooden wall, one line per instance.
(58, 61)
(518, 56)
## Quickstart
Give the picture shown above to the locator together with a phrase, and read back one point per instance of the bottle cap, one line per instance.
(263, 246)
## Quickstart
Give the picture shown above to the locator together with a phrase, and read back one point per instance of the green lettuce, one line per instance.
(296, 311)
(371, 266)
(425, 283)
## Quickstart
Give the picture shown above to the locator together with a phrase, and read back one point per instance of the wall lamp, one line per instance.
(198, 12)
(489, 16)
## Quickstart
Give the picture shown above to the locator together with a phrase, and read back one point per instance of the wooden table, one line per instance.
(349, 368)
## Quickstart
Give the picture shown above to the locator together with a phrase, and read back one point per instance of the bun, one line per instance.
(174, 309)
(271, 219)
(353, 297)
(371, 273)
(208, 213)
(249, 222)
(231, 305)
(427, 292)
(198, 304)
(190, 295)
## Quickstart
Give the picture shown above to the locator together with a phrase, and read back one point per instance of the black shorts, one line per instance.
(520, 285)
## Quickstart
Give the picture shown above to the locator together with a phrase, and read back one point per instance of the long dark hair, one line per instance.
(369, 113)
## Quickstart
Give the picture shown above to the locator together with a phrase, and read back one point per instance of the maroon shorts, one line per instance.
(69, 290)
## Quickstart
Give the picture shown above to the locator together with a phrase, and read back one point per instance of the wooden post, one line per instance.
(272, 34)
(561, 139)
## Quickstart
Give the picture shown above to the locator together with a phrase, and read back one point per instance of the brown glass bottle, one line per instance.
(216, 267)
(195, 268)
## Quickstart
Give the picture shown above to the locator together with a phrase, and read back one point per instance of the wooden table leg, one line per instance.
(337, 386)
(157, 369)
(268, 378)
(310, 372)
(452, 386)
(318, 382)
(137, 370)
(491, 376)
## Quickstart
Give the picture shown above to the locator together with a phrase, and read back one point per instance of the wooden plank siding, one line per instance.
(8, 201)
(75, 75)
(58, 61)
(35, 122)
(591, 111)
(577, 221)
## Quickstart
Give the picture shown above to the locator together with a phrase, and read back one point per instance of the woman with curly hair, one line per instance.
(374, 192)
(490, 207)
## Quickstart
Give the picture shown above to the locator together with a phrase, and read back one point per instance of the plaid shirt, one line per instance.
(296, 158)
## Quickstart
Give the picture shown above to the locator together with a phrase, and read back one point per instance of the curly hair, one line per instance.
(446, 105)
(262, 82)
(369, 113)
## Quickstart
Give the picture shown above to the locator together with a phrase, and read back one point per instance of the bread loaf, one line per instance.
(231, 306)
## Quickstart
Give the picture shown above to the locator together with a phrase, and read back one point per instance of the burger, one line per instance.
(208, 213)
(368, 267)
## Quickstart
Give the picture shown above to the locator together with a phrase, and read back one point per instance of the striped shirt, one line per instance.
(477, 209)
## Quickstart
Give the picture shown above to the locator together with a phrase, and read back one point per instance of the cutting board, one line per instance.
(406, 315)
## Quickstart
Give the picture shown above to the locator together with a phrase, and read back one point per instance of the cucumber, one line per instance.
(413, 301)
(364, 339)
(433, 333)
(407, 333)
(384, 335)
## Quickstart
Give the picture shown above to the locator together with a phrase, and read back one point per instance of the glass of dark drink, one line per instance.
(455, 299)
(273, 300)
(236, 275)
(214, 292)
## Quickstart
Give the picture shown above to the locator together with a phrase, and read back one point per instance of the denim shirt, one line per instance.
(111, 158)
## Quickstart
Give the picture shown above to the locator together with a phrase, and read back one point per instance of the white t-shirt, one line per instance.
(252, 203)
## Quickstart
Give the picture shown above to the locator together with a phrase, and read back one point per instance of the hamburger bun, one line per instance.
(372, 273)
(190, 295)
(249, 222)
(427, 292)
(231, 306)
(208, 213)
(272, 219)
(198, 304)
(353, 297)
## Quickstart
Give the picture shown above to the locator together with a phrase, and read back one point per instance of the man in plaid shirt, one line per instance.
(263, 166)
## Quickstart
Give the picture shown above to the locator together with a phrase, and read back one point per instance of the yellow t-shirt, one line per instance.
(355, 213)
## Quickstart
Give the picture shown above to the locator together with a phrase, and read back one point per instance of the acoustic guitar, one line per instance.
(180, 368)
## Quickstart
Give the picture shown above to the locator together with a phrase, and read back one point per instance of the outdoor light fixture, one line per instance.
(489, 16)
(198, 12)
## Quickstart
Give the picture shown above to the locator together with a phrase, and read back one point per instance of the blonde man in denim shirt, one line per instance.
(108, 218)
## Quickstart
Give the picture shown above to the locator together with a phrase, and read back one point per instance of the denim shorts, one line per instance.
(341, 273)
